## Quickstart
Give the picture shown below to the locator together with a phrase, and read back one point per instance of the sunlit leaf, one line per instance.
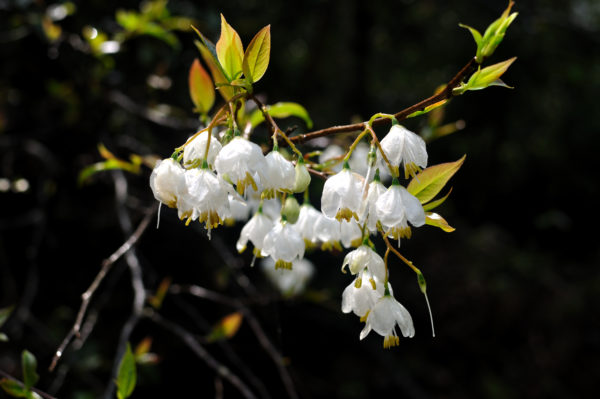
(474, 32)
(216, 70)
(429, 182)
(256, 58)
(494, 34)
(489, 76)
(157, 299)
(226, 328)
(282, 110)
(109, 164)
(230, 51)
(433, 219)
(434, 204)
(202, 89)
(127, 376)
(129, 20)
(13, 388)
(29, 365)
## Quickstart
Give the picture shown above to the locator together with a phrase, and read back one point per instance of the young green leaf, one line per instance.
(216, 70)
(29, 365)
(282, 110)
(488, 76)
(230, 51)
(495, 33)
(226, 328)
(202, 90)
(428, 108)
(126, 377)
(256, 58)
(14, 388)
(427, 184)
(433, 219)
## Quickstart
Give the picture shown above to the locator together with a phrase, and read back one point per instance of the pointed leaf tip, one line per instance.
(256, 58)
(202, 91)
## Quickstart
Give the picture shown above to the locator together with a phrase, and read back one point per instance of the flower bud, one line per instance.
(302, 177)
(291, 209)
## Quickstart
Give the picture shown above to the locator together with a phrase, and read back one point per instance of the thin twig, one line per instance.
(202, 353)
(257, 329)
(87, 295)
(445, 94)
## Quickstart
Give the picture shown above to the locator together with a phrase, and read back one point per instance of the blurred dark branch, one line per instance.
(153, 115)
(445, 94)
(192, 343)
(87, 295)
(254, 324)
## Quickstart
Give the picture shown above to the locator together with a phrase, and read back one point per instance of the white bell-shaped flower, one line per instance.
(307, 219)
(279, 175)
(350, 233)
(362, 258)
(209, 198)
(403, 146)
(362, 294)
(328, 232)
(242, 163)
(395, 208)
(167, 182)
(194, 151)
(255, 230)
(376, 189)
(239, 210)
(383, 318)
(341, 196)
(284, 244)
(289, 282)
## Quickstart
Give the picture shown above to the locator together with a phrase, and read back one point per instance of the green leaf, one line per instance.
(29, 364)
(129, 20)
(216, 70)
(282, 110)
(494, 34)
(5, 314)
(489, 76)
(230, 51)
(434, 204)
(226, 328)
(202, 90)
(109, 164)
(429, 182)
(13, 388)
(474, 32)
(433, 219)
(256, 58)
(126, 377)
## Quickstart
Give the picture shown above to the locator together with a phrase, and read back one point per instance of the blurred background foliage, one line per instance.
(514, 290)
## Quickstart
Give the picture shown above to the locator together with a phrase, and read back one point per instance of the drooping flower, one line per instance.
(368, 212)
(284, 244)
(206, 195)
(255, 230)
(242, 163)
(279, 174)
(395, 208)
(306, 222)
(362, 294)
(350, 233)
(403, 146)
(328, 232)
(362, 258)
(383, 318)
(194, 151)
(341, 197)
(289, 282)
(168, 182)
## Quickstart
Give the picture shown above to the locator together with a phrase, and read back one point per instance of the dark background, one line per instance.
(514, 290)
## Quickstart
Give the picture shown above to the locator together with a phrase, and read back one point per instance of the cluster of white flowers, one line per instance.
(213, 182)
